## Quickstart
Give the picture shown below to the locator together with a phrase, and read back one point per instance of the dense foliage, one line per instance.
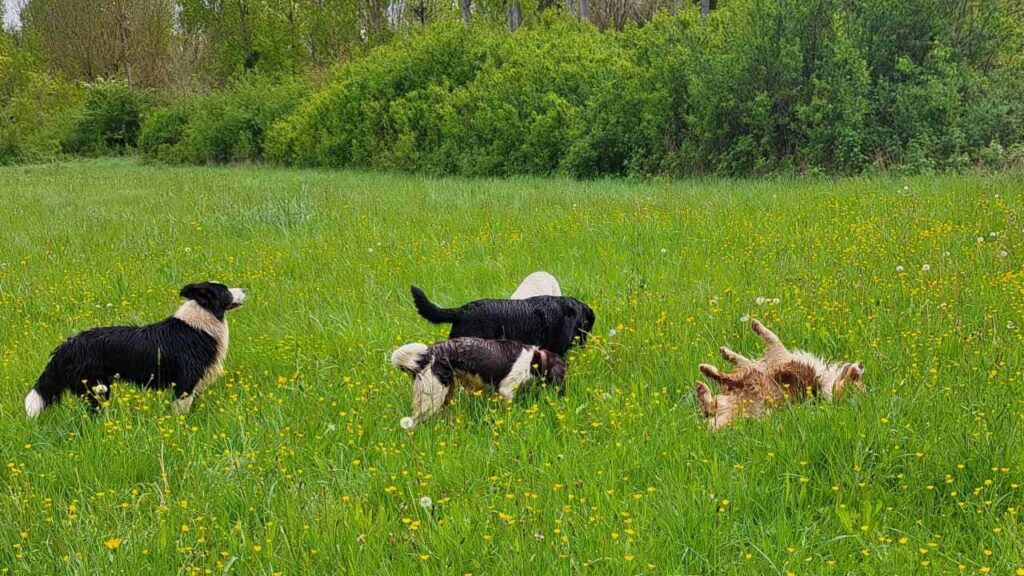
(759, 86)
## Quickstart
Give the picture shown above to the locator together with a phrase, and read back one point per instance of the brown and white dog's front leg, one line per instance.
(519, 374)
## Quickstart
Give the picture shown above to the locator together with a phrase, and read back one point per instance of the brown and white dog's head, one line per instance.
(214, 297)
(551, 367)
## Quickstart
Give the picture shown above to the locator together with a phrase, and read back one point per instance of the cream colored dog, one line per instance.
(781, 376)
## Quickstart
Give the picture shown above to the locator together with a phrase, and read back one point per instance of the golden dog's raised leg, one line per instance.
(774, 351)
(735, 359)
(707, 401)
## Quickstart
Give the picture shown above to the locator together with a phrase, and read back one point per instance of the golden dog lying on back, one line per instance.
(781, 376)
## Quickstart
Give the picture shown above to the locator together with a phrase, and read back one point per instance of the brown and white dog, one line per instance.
(475, 363)
(780, 377)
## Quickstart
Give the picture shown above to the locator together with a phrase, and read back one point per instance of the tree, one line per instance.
(120, 38)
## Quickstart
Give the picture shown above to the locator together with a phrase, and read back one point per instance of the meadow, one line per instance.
(294, 462)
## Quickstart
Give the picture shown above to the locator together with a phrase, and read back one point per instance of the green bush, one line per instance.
(36, 110)
(350, 123)
(523, 111)
(109, 120)
(163, 130)
(226, 126)
(760, 86)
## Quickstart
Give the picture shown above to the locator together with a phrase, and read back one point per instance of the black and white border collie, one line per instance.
(553, 323)
(477, 364)
(185, 351)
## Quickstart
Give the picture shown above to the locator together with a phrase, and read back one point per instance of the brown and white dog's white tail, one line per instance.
(408, 357)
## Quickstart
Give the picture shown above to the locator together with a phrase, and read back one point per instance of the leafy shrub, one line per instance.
(36, 109)
(759, 86)
(162, 131)
(109, 120)
(227, 126)
(348, 123)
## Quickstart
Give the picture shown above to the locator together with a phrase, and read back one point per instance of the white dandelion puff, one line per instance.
(426, 503)
(759, 300)
(1003, 254)
(925, 268)
(899, 269)
(407, 423)
(664, 250)
(612, 332)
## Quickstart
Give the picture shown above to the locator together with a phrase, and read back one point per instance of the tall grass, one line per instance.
(294, 461)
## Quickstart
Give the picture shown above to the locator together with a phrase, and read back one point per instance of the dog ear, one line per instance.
(856, 371)
(191, 291)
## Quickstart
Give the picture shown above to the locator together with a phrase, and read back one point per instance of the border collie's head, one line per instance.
(584, 320)
(214, 297)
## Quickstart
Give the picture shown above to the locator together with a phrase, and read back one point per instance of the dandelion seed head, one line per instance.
(407, 423)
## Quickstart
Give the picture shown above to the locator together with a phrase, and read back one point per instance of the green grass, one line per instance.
(294, 461)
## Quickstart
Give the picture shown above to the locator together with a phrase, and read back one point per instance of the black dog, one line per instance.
(185, 351)
(553, 323)
(476, 363)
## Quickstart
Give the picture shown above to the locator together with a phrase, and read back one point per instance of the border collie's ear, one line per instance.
(190, 292)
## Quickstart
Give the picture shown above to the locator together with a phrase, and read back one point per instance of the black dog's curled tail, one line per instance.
(431, 312)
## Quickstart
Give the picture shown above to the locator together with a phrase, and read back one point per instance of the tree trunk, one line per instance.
(467, 11)
(515, 16)
(584, 10)
(705, 9)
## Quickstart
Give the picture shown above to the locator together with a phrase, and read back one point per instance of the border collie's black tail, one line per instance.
(431, 312)
(47, 391)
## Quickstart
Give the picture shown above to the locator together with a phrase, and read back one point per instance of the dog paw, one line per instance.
(709, 371)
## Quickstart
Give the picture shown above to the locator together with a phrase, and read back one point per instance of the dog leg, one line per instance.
(735, 359)
(713, 373)
(707, 401)
(184, 394)
(182, 405)
(774, 351)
